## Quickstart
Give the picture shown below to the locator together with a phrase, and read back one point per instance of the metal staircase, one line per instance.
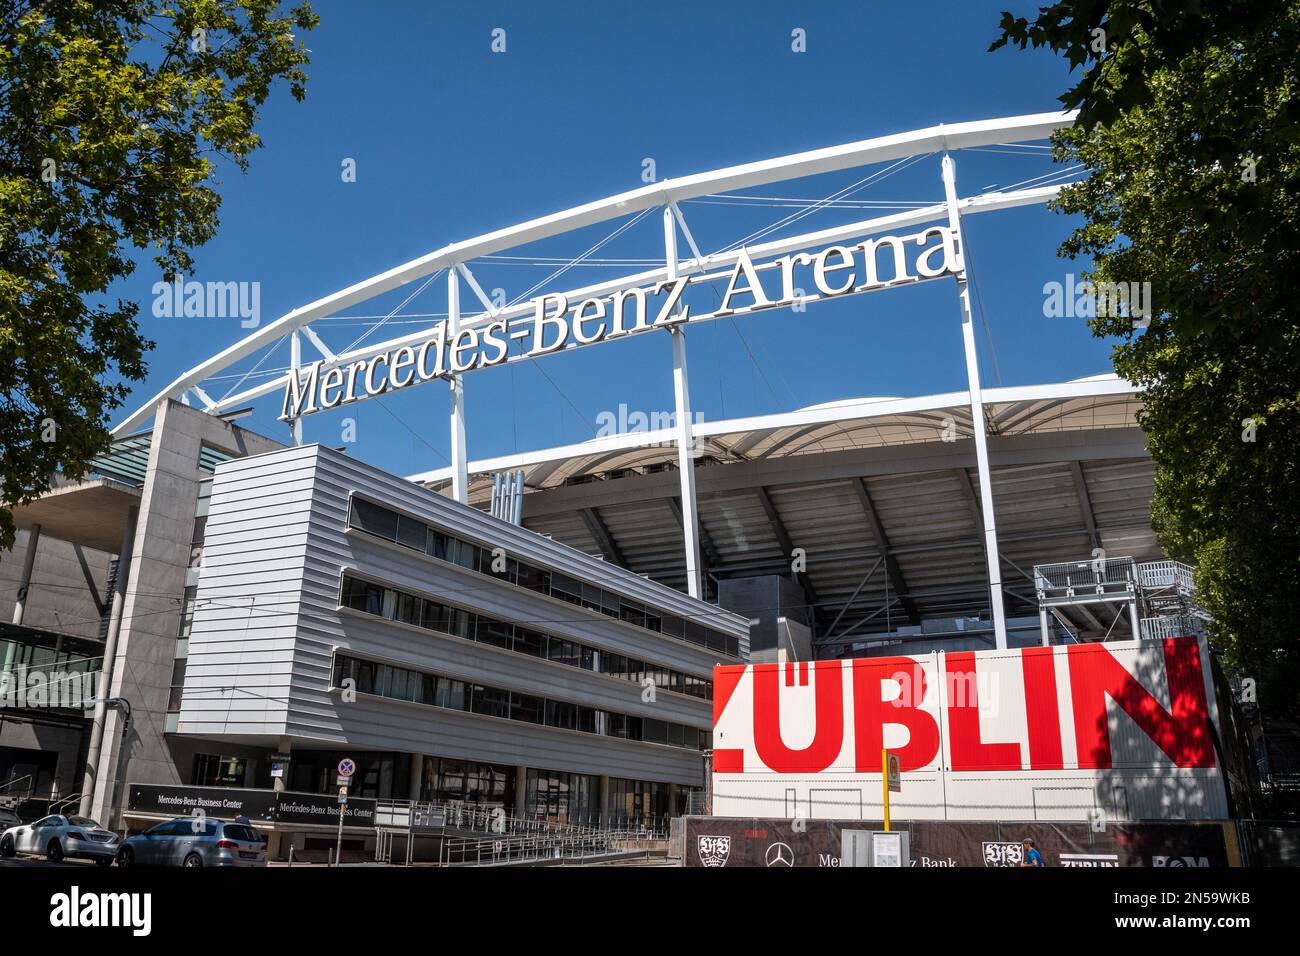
(1158, 597)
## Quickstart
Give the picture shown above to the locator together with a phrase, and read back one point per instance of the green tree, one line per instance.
(114, 115)
(1189, 132)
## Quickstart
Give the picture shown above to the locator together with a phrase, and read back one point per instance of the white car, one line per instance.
(59, 836)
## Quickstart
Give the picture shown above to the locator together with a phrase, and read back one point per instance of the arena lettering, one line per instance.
(555, 323)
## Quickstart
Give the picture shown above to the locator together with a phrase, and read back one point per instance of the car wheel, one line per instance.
(7, 846)
(54, 852)
(193, 860)
(125, 857)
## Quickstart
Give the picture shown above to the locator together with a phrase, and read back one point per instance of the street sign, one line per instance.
(347, 767)
(894, 773)
(343, 795)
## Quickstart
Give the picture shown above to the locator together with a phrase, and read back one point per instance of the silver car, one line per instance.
(194, 841)
(59, 836)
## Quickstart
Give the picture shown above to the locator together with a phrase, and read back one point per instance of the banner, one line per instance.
(713, 842)
(1094, 733)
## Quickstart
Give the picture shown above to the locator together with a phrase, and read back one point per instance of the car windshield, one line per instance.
(236, 831)
(82, 822)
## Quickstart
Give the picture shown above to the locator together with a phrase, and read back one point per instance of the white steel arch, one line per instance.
(455, 259)
(863, 153)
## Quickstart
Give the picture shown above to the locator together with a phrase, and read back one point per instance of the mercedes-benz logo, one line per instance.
(780, 854)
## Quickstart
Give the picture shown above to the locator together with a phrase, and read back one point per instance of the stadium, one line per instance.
(550, 639)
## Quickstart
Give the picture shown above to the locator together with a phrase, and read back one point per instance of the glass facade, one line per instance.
(214, 770)
(388, 524)
(420, 687)
(479, 784)
(563, 798)
(382, 601)
(638, 802)
(385, 776)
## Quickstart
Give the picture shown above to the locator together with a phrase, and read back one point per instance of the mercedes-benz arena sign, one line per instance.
(555, 323)
(1085, 732)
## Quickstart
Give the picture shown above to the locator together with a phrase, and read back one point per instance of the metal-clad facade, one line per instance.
(268, 622)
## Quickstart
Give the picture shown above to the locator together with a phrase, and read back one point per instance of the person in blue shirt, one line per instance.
(1032, 856)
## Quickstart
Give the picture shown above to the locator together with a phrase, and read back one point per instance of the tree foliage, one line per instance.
(114, 115)
(1189, 132)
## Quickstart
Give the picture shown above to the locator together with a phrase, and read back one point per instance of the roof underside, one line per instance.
(1069, 474)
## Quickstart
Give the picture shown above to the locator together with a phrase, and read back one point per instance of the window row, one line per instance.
(386, 523)
(418, 687)
(399, 606)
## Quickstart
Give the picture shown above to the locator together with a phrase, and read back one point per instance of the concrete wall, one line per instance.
(146, 648)
(65, 740)
(60, 597)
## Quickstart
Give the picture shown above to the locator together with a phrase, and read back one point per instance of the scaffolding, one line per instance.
(1159, 597)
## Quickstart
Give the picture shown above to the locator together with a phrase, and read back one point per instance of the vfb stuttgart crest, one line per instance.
(714, 850)
(1003, 854)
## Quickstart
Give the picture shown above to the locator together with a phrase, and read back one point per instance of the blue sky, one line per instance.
(452, 140)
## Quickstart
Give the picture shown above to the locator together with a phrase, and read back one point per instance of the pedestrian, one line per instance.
(242, 818)
(1032, 856)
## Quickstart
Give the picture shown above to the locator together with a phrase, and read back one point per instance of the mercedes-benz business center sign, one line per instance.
(556, 323)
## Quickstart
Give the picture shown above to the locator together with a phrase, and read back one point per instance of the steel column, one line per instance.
(685, 440)
(991, 551)
(295, 363)
(459, 460)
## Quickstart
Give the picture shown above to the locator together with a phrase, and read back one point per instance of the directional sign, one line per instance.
(347, 767)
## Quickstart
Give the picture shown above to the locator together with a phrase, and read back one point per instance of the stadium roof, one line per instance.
(854, 481)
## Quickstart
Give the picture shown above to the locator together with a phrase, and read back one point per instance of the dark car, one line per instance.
(194, 841)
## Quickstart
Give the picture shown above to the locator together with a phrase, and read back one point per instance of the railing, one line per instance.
(458, 851)
(17, 796)
(697, 803)
(1100, 573)
(497, 821)
(1160, 628)
(1164, 574)
(58, 805)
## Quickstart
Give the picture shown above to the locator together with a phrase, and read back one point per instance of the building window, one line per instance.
(374, 519)
(415, 534)
(396, 605)
(419, 687)
(213, 770)
(562, 798)
(177, 686)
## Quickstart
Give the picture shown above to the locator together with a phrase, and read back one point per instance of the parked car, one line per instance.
(194, 841)
(58, 836)
(9, 819)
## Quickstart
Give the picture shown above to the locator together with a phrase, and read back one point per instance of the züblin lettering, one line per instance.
(557, 324)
